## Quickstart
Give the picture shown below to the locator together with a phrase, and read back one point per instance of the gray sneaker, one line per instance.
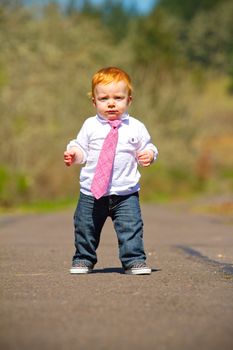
(138, 268)
(81, 267)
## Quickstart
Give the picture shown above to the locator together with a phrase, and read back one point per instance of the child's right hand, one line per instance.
(69, 157)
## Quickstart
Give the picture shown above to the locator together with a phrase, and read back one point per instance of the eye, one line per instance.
(118, 98)
(103, 99)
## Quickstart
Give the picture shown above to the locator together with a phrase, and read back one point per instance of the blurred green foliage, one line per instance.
(187, 9)
(180, 59)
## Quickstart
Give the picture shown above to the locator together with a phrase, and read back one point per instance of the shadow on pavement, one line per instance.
(116, 270)
(109, 270)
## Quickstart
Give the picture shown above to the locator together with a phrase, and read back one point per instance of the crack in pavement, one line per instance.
(226, 268)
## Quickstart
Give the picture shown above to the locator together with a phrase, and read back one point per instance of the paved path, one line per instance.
(187, 302)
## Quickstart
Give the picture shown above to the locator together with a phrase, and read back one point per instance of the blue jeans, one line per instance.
(89, 218)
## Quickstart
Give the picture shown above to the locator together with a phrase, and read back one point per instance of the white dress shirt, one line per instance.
(133, 137)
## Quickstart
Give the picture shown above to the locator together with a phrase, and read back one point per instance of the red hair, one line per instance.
(110, 74)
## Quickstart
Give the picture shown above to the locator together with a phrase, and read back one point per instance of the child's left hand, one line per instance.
(145, 157)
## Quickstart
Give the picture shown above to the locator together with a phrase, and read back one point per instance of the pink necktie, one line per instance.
(105, 162)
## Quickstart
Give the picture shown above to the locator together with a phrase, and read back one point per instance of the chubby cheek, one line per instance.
(123, 107)
(99, 107)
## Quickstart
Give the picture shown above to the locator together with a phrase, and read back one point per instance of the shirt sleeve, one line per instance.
(81, 142)
(145, 141)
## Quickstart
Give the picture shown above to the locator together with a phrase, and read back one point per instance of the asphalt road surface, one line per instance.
(186, 303)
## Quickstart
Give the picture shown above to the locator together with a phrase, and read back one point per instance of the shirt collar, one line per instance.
(124, 118)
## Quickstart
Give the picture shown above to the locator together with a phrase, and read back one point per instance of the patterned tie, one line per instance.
(105, 162)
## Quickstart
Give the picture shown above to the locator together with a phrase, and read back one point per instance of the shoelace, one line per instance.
(139, 265)
(80, 264)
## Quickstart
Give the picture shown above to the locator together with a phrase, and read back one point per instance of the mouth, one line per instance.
(112, 112)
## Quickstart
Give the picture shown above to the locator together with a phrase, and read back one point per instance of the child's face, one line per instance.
(111, 100)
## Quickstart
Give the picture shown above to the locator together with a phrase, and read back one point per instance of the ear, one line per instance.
(130, 100)
(93, 101)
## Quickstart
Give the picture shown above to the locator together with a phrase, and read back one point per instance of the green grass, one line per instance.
(41, 206)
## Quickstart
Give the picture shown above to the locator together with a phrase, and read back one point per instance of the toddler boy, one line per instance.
(111, 144)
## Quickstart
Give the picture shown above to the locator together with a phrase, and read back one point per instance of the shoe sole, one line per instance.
(75, 270)
(138, 271)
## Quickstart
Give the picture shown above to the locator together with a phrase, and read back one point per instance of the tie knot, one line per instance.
(114, 123)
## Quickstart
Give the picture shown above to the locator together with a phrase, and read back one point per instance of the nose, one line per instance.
(111, 103)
